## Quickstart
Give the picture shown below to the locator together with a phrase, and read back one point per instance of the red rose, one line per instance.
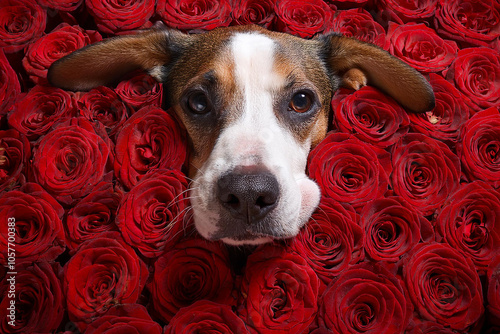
(478, 148)
(104, 272)
(303, 18)
(493, 293)
(195, 14)
(372, 116)
(150, 139)
(39, 234)
(63, 40)
(39, 301)
(402, 11)
(205, 316)
(260, 12)
(35, 113)
(425, 172)
(63, 5)
(141, 90)
(418, 326)
(420, 47)
(365, 298)
(476, 73)
(9, 84)
(279, 292)
(349, 170)
(358, 23)
(22, 22)
(14, 154)
(193, 270)
(348, 4)
(114, 17)
(443, 286)
(93, 215)
(71, 160)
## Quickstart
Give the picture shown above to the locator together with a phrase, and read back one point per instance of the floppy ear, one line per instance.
(106, 62)
(359, 64)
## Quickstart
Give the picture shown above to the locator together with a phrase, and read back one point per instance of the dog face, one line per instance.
(254, 103)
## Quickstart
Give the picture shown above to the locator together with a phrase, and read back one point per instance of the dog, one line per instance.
(254, 103)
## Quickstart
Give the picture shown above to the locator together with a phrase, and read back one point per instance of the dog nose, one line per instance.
(248, 195)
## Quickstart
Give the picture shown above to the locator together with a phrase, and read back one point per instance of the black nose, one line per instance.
(248, 195)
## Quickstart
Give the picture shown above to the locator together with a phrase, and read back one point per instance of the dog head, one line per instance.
(254, 102)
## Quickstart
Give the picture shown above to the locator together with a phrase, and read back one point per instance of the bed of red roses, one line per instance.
(95, 223)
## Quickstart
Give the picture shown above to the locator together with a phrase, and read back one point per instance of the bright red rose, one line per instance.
(141, 90)
(358, 23)
(279, 292)
(425, 172)
(195, 14)
(104, 272)
(63, 5)
(193, 270)
(35, 113)
(150, 139)
(39, 300)
(22, 22)
(9, 84)
(15, 151)
(479, 145)
(443, 286)
(403, 11)
(349, 170)
(205, 316)
(39, 234)
(493, 293)
(365, 299)
(63, 40)
(260, 12)
(303, 18)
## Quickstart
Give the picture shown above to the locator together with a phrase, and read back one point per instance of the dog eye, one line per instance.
(301, 102)
(198, 103)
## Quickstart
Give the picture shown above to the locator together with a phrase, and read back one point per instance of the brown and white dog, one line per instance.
(254, 103)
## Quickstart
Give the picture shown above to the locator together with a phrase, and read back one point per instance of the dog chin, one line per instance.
(247, 242)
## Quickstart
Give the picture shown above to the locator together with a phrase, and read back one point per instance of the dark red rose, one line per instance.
(365, 299)
(38, 231)
(63, 5)
(193, 270)
(303, 18)
(151, 215)
(476, 73)
(22, 22)
(371, 116)
(479, 147)
(113, 16)
(9, 84)
(358, 23)
(141, 90)
(348, 4)
(470, 222)
(63, 40)
(472, 22)
(93, 215)
(392, 227)
(349, 170)
(205, 316)
(14, 154)
(418, 326)
(38, 296)
(420, 46)
(443, 286)
(425, 172)
(104, 272)
(71, 160)
(493, 293)
(150, 139)
(279, 292)
(445, 120)
(35, 113)
(260, 12)
(126, 318)
(402, 11)
(194, 14)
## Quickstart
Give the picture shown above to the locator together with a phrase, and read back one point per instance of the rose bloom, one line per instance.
(260, 12)
(14, 154)
(39, 300)
(420, 47)
(493, 293)
(478, 148)
(149, 139)
(22, 22)
(195, 14)
(9, 84)
(365, 298)
(39, 234)
(425, 172)
(140, 90)
(279, 292)
(63, 40)
(348, 4)
(303, 18)
(193, 270)
(358, 23)
(418, 326)
(443, 286)
(35, 113)
(402, 11)
(63, 5)
(205, 316)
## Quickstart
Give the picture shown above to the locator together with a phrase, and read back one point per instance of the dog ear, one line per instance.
(105, 62)
(359, 64)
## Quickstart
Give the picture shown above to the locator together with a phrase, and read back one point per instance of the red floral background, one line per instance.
(93, 195)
